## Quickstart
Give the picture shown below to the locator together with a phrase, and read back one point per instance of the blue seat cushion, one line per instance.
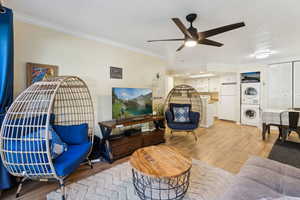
(71, 159)
(182, 126)
(193, 124)
(194, 117)
(73, 134)
(35, 162)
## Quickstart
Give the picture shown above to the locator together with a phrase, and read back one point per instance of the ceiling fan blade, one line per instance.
(219, 30)
(181, 26)
(210, 42)
(166, 40)
(181, 47)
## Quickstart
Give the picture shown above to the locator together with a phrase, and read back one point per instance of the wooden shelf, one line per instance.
(130, 122)
(114, 148)
(126, 145)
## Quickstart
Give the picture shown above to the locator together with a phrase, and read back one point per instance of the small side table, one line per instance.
(160, 173)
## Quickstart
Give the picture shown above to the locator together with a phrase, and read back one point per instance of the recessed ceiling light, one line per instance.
(261, 54)
(190, 43)
(202, 75)
(177, 75)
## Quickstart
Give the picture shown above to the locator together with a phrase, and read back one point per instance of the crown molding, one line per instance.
(31, 20)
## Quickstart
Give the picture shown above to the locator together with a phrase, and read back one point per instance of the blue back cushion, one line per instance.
(36, 120)
(73, 134)
(172, 105)
(16, 132)
(57, 146)
(181, 114)
(29, 153)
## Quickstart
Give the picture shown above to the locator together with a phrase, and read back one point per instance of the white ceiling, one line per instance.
(272, 24)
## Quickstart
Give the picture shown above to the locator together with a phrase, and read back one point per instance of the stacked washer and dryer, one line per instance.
(250, 98)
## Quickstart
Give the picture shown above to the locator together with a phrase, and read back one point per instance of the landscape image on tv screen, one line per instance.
(131, 102)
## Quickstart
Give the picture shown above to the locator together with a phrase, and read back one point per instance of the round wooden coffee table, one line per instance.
(160, 173)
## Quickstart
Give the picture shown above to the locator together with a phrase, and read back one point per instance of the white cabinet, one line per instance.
(214, 84)
(178, 81)
(215, 106)
(280, 87)
(202, 85)
(230, 78)
(205, 84)
(296, 84)
(190, 82)
(207, 113)
(228, 89)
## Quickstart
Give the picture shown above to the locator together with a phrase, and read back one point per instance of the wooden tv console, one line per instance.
(114, 148)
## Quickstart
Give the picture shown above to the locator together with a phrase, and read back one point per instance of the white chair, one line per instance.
(24, 140)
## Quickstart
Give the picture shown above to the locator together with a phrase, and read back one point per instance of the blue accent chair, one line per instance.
(33, 161)
(190, 126)
(48, 130)
(64, 165)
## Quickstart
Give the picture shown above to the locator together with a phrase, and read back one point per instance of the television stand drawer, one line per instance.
(126, 145)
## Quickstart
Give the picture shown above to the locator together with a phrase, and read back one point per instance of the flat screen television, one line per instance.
(131, 102)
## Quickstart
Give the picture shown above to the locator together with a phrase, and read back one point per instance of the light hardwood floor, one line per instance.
(225, 145)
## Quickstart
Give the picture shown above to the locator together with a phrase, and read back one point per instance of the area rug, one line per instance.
(206, 183)
(286, 152)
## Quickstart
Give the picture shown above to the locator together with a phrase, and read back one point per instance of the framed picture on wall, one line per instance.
(38, 72)
(116, 73)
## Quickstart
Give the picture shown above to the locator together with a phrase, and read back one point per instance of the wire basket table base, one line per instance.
(152, 188)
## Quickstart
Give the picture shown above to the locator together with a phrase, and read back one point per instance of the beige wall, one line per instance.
(90, 60)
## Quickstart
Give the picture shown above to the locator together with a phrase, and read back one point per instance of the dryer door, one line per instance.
(251, 92)
(250, 95)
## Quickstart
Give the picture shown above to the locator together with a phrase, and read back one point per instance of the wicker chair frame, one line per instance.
(185, 94)
(69, 99)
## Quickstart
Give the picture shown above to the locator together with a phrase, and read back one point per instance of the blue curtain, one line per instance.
(6, 78)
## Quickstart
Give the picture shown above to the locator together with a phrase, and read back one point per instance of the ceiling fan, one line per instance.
(192, 37)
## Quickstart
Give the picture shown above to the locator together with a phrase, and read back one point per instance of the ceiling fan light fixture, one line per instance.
(190, 43)
(192, 37)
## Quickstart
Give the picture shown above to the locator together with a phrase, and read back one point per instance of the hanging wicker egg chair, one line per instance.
(184, 96)
(24, 141)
